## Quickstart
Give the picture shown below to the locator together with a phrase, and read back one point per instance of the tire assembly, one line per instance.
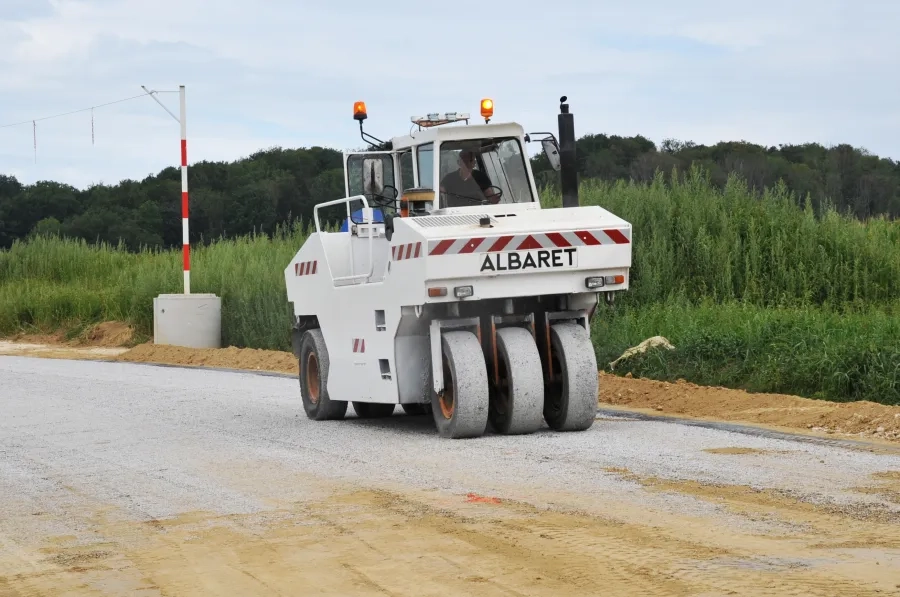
(517, 398)
(517, 402)
(570, 402)
(461, 409)
(314, 379)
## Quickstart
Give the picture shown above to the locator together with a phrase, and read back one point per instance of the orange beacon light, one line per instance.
(487, 108)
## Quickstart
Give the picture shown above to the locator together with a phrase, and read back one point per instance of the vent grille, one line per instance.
(449, 220)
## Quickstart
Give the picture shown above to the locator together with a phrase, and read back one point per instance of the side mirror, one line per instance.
(373, 176)
(551, 150)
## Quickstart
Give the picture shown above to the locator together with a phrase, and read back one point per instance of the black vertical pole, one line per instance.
(568, 167)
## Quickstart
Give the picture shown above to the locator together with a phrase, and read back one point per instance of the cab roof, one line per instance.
(457, 132)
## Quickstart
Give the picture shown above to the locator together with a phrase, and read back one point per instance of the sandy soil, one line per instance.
(55, 351)
(405, 543)
(861, 420)
(231, 357)
(112, 334)
(102, 341)
(73, 531)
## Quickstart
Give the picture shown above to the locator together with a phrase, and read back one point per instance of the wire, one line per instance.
(34, 120)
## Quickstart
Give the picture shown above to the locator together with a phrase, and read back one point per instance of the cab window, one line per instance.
(425, 157)
(406, 171)
(499, 164)
(355, 171)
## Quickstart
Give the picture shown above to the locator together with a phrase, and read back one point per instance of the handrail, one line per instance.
(347, 200)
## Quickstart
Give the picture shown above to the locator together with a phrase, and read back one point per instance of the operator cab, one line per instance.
(441, 169)
(483, 171)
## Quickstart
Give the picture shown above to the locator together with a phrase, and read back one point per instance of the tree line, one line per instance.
(273, 186)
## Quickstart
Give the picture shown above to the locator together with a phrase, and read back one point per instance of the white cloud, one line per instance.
(284, 73)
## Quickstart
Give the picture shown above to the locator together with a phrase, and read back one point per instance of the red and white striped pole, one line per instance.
(185, 239)
(186, 245)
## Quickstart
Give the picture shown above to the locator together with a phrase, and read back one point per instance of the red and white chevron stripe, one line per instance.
(359, 345)
(406, 251)
(522, 242)
(305, 268)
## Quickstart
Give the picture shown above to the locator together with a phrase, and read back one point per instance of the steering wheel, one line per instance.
(483, 200)
(498, 192)
(385, 198)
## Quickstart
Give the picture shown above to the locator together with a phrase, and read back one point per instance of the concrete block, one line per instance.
(190, 320)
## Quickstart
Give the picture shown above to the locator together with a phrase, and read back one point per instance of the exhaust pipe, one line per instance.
(568, 170)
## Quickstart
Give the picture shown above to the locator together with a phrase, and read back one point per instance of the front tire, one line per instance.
(517, 404)
(461, 410)
(570, 403)
(314, 379)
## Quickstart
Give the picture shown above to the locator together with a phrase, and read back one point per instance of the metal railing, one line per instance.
(347, 200)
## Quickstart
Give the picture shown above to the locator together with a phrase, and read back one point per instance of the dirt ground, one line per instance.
(403, 542)
(231, 357)
(410, 543)
(111, 334)
(861, 420)
(407, 543)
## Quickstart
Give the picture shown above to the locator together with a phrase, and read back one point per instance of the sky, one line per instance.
(286, 73)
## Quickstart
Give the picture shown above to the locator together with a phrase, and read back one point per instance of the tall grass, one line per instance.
(49, 283)
(694, 242)
(807, 351)
(754, 291)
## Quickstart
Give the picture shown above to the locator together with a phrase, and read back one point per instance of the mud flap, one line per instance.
(296, 339)
(301, 325)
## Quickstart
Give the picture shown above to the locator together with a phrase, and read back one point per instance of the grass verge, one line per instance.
(811, 351)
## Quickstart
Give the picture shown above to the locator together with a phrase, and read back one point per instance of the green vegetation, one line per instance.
(50, 282)
(271, 187)
(754, 290)
(806, 351)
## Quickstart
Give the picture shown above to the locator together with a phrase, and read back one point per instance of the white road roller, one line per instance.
(458, 296)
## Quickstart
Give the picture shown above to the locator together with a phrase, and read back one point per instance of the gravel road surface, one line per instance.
(127, 479)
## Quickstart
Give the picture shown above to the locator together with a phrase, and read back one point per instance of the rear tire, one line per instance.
(373, 410)
(314, 379)
(461, 410)
(517, 404)
(570, 403)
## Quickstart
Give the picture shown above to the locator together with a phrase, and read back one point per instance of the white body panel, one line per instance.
(359, 319)
(565, 245)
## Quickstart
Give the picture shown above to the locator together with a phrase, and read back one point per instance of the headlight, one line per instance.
(463, 291)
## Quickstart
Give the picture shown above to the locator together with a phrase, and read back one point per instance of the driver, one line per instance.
(467, 186)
